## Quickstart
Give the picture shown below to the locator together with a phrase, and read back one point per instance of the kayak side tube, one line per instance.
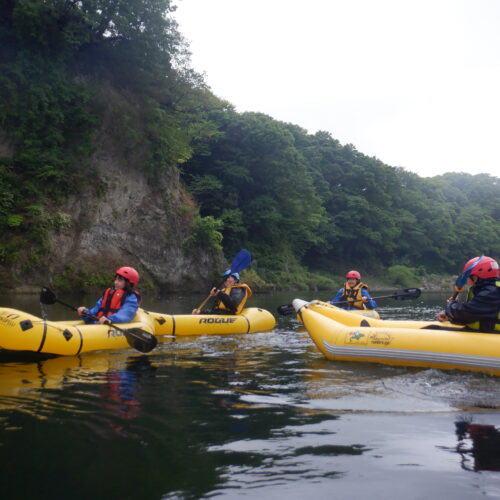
(251, 320)
(350, 319)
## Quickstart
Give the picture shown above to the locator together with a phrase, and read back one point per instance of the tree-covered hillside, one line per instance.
(73, 71)
(290, 194)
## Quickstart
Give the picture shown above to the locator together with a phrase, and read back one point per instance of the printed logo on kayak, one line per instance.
(356, 338)
(114, 333)
(216, 320)
(8, 318)
(379, 338)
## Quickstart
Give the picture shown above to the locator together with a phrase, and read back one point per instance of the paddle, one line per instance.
(137, 338)
(461, 280)
(406, 294)
(459, 286)
(240, 261)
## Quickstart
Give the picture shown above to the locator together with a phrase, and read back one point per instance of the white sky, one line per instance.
(415, 83)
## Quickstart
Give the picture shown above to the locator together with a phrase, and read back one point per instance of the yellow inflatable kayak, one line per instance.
(288, 309)
(355, 318)
(413, 343)
(21, 331)
(250, 320)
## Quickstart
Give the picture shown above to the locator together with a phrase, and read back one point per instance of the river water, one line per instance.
(247, 416)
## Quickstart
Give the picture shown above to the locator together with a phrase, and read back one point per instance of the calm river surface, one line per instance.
(247, 416)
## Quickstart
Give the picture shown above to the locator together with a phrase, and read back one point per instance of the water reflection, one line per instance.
(121, 388)
(485, 449)
(39, 387)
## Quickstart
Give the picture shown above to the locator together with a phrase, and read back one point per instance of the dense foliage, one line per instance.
(289, 194)
(68, 69)
(296, 200)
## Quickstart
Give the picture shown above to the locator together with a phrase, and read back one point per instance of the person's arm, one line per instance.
(96, 308)
(482, 306)
(457, 313)
(83, 311)
(370, 303)
(127, 312)
(337, 297)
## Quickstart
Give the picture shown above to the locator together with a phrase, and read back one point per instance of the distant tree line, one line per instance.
(292, 195)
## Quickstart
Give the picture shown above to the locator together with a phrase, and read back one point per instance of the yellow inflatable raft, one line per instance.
(412, 343)
(20, 331)
(355, 318)
(250, 320)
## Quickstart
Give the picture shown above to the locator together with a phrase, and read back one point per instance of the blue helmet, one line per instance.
(229, 273)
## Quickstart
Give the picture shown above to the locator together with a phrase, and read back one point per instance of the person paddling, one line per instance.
(118, 303)
(231, 298)
(355, 292)
(481, 310)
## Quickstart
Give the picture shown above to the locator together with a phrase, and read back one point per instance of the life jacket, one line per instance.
(113, 299)
(353, 295)
(241, 305)
(476, 325)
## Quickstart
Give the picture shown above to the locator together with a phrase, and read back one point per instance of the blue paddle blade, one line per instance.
(462, 278)
(241, 261)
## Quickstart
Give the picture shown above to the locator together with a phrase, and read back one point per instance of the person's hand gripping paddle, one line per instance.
(240, 262)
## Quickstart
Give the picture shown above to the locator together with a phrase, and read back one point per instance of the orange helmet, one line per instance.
(129, 273)
(353, 274)
(482, 267)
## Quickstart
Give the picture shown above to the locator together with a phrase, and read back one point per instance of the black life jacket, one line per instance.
(476, 325)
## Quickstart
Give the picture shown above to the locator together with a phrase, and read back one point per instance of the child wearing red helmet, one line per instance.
(354, 294)
(118, 303)
(481, 310)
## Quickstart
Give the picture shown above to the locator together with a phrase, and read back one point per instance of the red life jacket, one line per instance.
(112, 301)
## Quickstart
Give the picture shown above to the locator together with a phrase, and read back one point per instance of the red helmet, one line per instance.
(129, 273)
(353, 274)
(483, 267)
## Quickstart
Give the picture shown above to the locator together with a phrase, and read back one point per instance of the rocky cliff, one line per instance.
(123, 218)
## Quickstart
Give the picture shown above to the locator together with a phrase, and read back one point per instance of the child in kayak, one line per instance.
(118, 303)
(354, 294)
(231, 298)
(481, 310)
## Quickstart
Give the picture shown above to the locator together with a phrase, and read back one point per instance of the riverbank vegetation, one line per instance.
(307, 207)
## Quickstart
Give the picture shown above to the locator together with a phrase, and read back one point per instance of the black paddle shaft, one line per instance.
(406, 294)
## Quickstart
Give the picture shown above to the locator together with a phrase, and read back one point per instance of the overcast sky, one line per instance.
(415, 83)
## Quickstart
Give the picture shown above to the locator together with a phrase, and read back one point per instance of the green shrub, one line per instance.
(14, 220)
(403, 276)
(9, 251)
(206, 232)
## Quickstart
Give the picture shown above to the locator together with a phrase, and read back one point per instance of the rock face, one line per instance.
(134, 222)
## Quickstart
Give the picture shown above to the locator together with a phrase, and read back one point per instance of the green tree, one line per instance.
(264, 178)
